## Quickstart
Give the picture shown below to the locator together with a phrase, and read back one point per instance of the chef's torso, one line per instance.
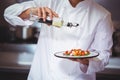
(53, 39)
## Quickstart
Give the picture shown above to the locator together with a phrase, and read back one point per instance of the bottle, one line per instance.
(58, 22)
(47, 21)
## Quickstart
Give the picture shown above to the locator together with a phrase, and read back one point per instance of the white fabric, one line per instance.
(93, 33)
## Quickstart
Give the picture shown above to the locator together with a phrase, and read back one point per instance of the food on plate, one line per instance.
(76, 52)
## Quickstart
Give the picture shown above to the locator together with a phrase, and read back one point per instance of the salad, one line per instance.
(76, 52)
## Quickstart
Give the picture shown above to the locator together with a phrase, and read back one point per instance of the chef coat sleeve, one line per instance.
(102, 44)
(11, 13)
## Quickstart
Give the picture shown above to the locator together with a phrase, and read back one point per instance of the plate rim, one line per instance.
(75, 57)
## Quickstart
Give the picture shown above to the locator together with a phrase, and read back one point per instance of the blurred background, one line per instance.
(17, 45)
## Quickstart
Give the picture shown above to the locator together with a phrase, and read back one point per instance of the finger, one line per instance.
(84, 61)
(77, 60)
(73, 59)
(44, 16)
(55, 14)
(39, 12)
(49, 11)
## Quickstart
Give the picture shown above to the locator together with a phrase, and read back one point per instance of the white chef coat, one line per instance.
(93, 33)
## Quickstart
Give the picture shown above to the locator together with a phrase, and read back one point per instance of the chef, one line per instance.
(93, 32)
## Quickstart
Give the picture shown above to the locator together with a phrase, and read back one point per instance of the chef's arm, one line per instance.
(102, 44)
(40, 12)
(25, 14)
(11, 13)
(20, 13)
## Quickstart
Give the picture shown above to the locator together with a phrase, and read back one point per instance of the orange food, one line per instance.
(76, 52)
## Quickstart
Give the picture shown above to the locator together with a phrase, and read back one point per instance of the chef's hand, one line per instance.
(82, 61)
(41, 12)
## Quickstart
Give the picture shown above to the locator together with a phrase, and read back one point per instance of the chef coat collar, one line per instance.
(84, 3)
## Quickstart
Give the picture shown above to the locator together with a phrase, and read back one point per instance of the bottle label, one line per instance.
(57, 22)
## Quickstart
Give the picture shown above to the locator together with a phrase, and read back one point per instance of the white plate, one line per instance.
(60, 55)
